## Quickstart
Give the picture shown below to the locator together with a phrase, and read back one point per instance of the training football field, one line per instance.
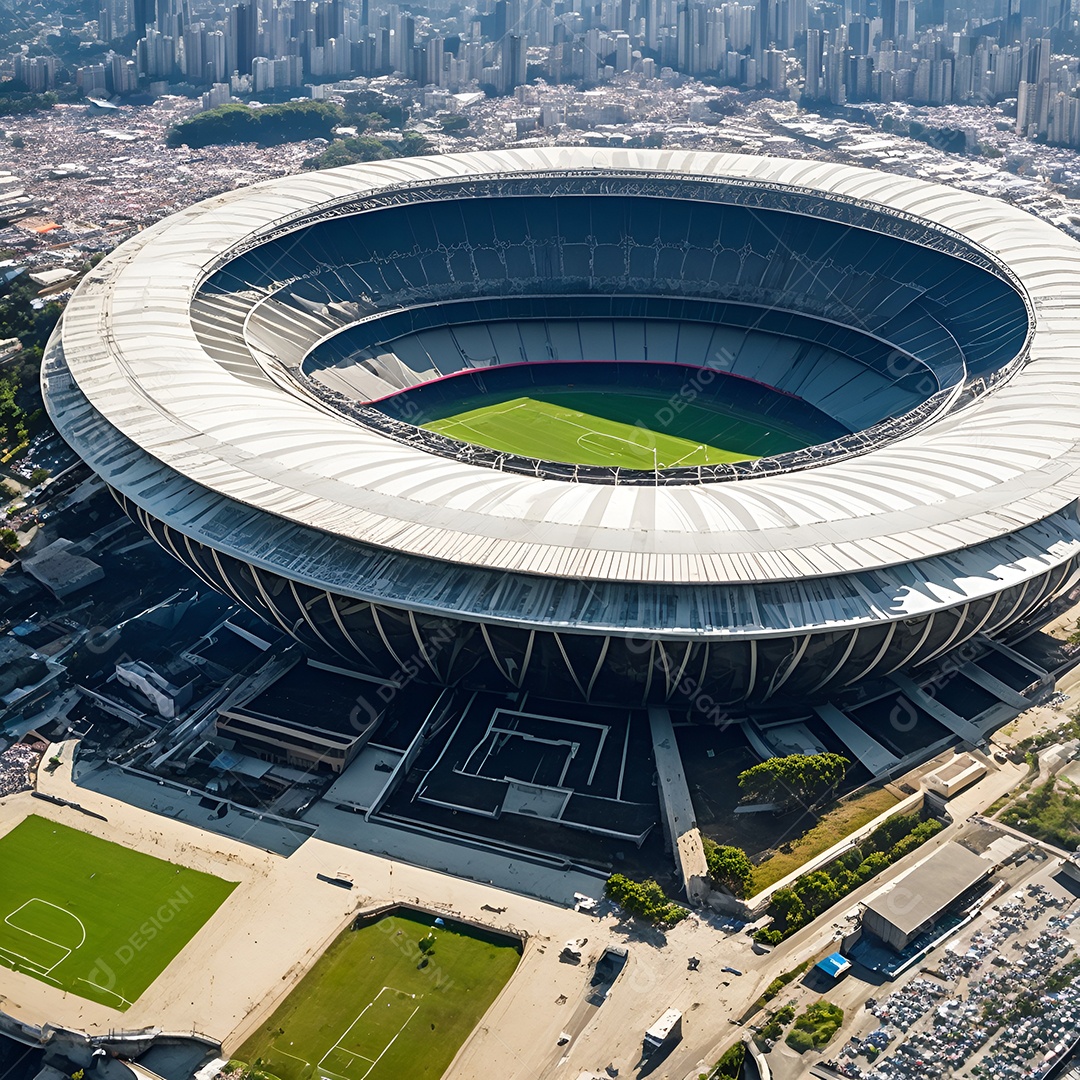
(94, 918)
(555, 431)
(393, 999)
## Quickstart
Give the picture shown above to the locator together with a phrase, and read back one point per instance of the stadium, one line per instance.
(613, 426)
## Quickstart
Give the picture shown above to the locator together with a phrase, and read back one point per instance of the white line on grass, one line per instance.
(8, 919)
(47, 903)
(360, 1014)
(391, 1042)
(38, 972)
(106, 990)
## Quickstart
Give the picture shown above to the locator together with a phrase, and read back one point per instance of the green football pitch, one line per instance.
(94, 918)
(380, 1005)
(633, 431)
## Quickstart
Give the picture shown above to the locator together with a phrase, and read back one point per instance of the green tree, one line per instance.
(889, 832)
(729, 867)
(788, 909)
(368, 148)
(817, 891)
(873, 864)
(800, 1041)
(818, 1023)
(919, 835)
(794, 780)
(294, 121)
(729, 1067)
(645, 899)
(20, 398)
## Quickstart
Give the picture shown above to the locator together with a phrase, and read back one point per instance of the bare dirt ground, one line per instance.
(268, 933)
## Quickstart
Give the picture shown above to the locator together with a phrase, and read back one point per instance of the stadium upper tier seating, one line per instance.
(861, 325)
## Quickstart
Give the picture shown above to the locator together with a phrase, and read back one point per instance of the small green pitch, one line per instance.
(555, 431)
(93, 918)
(393, 999)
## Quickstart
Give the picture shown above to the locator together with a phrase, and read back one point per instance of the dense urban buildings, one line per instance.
(1019, 54)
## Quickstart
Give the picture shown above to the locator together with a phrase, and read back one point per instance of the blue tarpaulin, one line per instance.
(834, 965)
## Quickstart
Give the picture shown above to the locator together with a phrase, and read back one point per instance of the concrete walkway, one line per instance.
(680, 822)
(995, 686)
(868, 750)
(965, 729)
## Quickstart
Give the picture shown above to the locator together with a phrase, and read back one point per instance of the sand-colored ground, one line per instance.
(261, 941)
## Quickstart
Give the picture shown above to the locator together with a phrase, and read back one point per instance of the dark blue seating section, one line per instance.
(919, 299)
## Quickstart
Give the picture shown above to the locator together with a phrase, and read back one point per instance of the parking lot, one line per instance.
(998, 999)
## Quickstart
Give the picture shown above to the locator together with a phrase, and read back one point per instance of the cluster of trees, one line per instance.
(774, 1027)
(801, 903)
(644, 899)
(795, 780)
(730, 868)
(815, 1027)
(729, 1067)
(370, 113)
(1051, 812)
(13, 417)
(779, 983)
(20, 395)
(269, 125)
(365, 108)
(14, 101)
(369, 148)
(1030, 746)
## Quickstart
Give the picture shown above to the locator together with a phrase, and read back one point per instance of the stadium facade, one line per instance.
(218, 372)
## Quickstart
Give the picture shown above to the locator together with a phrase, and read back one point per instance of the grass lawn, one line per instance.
(832, 827)
(817, 1024)
(94, 918)
(555, 432)
(380, 1004)
(592, 427)
(1050, 812)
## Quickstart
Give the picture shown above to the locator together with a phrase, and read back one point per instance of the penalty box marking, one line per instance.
(373, 1062)
(9, 919)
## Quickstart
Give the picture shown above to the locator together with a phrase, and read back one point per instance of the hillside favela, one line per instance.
(539, 540)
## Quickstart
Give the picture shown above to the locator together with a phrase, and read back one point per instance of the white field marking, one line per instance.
(478, 436)
(47, 903)
(338, 1046)
(285, 1053)
(12, 959)
(700, 446)
(9, 920)
(584, 442)
(391, 1042)
(106, 990)
(346, 1075)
